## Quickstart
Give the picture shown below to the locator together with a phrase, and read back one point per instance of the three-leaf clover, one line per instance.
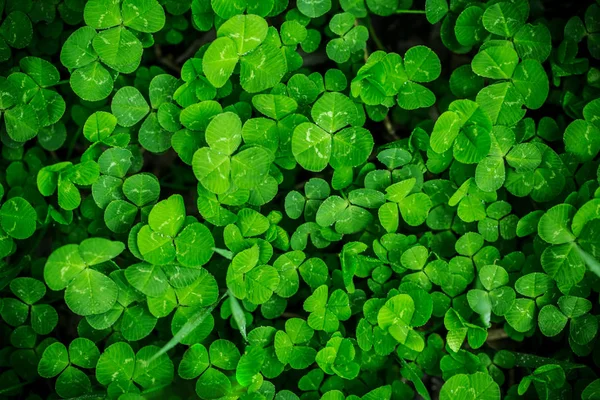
(29, 292)
(168, 235)
(292, 344)
(526, 83)
(397, 316)
(110, 38)
(57, 360)
(78, 268)
(495, 296)
(27, 100)
(123, 199)
(470, 387)
(240, 38)
(583, 327)
(218, 169)
(351, 38)
(337, 357)
(570, 233)
(315, 145)
(222, 355)
(64, 176)
(248, 280)
(465, 128)
(326, 311)
(119, 367)
(537, 289)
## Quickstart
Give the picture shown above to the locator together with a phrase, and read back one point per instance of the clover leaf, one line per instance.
(326, 311)
(56, 360)
(88, 291)
(361, 200)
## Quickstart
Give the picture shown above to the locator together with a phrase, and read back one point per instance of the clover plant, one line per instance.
(300, 200)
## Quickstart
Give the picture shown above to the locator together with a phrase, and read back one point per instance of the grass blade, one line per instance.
(186, 329)
(238, 314)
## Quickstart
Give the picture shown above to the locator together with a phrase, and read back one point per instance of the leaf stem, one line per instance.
(496, 334)
(533, 362)
(72, 144)
(373, 35)
(63, 82)
(34, 245)
(17, 386)
(96, 395)
(410, 12)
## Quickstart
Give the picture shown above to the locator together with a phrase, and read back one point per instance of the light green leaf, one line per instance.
(314, 8)
(212, 169)
(194, 245)
(497, 62)
(563, 263)
(445, 131)
(21, 122)
(77, 51)
(129, 106)
(551, 321)
(92, 82)
(18, 218)
(54, 360)
(91, 292)
(422, 64)
(143, 15)
(582, 139)
(99, 126)
(115, 364)
(119, 49)
(262, 69)
(311, 146)
(224, 133)
(247, 31)
(194, 362)
(503, 19)
(531, 81)
(102, 14)
(554, 226)
(250, 167)
(219, 61)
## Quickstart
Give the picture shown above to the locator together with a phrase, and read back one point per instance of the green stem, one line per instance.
(410, 11)
(63, 82)
(72, 144)
(17, 386)
(35, 244)
(533, 362)
(90, 396)
(373, 35)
